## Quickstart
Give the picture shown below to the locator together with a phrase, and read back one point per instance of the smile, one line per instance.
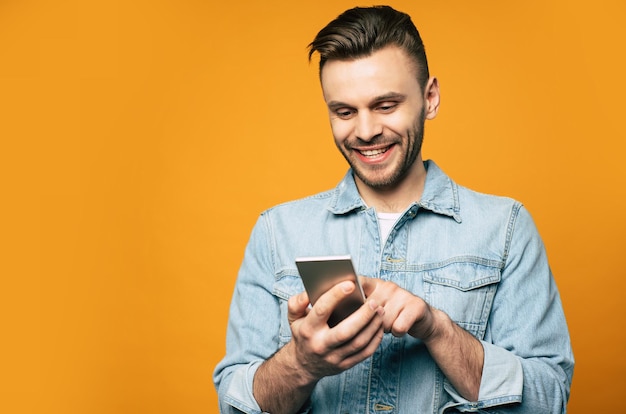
(373, 153)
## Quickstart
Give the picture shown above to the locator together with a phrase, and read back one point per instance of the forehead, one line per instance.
(387, 70)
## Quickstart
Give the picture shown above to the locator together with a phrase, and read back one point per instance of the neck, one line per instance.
(398, 197)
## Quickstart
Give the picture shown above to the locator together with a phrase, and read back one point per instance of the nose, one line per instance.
(367, 126)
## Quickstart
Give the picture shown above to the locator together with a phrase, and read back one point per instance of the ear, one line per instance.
(431, 98)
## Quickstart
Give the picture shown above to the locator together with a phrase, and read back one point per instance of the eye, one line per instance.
(345, 113)
(386, 107)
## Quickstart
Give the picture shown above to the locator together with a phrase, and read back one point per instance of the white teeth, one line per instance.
(371, 153)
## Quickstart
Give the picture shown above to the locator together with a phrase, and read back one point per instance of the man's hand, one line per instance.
(323, 351)
(457, 353)
(284, 382)
(404, 312)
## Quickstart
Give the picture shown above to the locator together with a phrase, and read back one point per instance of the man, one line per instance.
(462, 312)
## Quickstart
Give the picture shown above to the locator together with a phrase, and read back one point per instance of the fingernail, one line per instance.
(373, 304)
(347, 287)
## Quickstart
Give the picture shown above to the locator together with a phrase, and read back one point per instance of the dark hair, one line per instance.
(361, 31)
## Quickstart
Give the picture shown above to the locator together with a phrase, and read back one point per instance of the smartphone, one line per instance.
(319, 274)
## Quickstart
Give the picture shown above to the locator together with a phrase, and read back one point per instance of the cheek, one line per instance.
(402, 128)
(341, 130)
(400, 122)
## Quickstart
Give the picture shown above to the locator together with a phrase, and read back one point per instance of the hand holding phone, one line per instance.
(321, 273)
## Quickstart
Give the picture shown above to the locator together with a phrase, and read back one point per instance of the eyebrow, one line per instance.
(390, 96)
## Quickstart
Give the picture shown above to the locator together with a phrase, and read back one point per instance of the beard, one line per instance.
(381, 180)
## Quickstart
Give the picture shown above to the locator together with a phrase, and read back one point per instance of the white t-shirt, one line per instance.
(386, 222)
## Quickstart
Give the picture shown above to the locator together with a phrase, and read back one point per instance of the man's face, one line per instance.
(377, 111)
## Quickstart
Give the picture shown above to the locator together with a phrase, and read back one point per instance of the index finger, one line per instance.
(296, 306)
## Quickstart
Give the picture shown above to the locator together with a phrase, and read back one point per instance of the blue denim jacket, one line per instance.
(477, 257)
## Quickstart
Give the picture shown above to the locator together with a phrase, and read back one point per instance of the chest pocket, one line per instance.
(465, 292)
(287, 284)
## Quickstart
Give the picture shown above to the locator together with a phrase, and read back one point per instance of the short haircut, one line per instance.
(361, 31)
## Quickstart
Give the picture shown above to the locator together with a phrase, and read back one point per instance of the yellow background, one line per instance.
(140, 140)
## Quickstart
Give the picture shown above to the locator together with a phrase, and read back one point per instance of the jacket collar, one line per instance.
(440, 194)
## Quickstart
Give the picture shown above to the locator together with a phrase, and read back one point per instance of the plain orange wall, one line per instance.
(141, 139)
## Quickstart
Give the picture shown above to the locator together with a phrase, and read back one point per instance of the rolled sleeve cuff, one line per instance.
(502, 381)
(239, 394)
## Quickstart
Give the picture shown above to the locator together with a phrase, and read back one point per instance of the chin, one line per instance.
(377, 181)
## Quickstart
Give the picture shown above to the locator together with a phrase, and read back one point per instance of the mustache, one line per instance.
(378, 140)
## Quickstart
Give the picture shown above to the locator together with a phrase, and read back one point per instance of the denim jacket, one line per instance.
(476, 257)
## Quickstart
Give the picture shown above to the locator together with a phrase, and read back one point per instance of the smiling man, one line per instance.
(377, 110)
(461, 310)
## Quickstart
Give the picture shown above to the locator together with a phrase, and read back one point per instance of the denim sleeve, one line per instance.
(253, 323)
(528, 363)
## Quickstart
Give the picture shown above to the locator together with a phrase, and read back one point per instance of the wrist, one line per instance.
(293, 368)
(440, 328)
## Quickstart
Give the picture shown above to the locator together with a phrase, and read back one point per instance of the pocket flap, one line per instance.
(463, 276)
